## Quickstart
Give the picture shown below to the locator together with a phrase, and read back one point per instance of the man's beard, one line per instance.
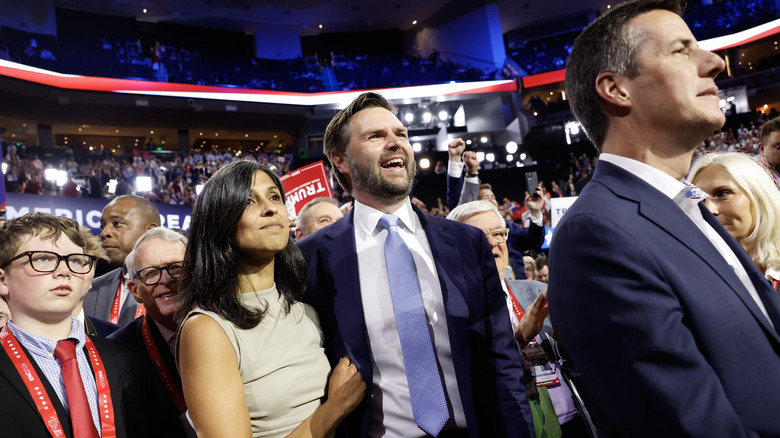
(368, 178)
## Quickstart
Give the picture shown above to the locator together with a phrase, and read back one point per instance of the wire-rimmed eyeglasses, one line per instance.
(47, 261)
(153, 274)
(499, 235)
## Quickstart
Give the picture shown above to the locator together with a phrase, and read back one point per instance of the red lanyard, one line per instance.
(162, 370)
(515, 305)
(43, 402)
(114, 318)
(775, 284)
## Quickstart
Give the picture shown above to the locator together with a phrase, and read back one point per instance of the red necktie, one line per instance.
(80, 413)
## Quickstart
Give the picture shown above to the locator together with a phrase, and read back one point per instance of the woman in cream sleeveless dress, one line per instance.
(250, 353)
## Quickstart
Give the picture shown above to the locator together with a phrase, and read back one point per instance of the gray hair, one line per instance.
(303, 218)
(155, 233)
(465, 211)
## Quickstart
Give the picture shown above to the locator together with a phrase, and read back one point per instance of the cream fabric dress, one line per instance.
(281, 360)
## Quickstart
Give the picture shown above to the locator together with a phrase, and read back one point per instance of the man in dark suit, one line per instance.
(526, 302)
(456, 283)
(155, 265)
(124, 220)
(672, 328)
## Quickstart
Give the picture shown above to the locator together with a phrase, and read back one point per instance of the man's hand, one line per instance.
(455, 149)
(535, 204)
(533, 320)
(472, 163)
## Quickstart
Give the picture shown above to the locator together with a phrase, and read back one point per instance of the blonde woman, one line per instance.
(745, 199)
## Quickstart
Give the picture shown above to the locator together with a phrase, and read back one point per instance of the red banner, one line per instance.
(304, 184)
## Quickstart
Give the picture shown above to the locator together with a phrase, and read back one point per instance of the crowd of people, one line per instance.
(656, 313)
(174, 176)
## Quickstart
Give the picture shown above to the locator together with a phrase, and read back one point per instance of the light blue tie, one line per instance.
(429, 405)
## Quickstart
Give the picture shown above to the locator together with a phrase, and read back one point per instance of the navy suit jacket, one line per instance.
(488, 365)
(100, 298)
(129, 381)
(132, 334)
(666, 338)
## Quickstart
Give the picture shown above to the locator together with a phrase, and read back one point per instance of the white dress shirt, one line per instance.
(391, 408)
(673, 188)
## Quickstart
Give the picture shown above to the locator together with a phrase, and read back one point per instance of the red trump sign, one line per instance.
(304, 184)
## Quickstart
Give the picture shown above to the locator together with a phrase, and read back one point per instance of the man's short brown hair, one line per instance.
(339, 129)
(768, 128)
(606, 45)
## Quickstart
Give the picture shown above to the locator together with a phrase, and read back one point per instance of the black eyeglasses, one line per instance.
(47, 261)
(153, 274)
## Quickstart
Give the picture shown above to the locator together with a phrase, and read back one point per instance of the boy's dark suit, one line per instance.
(134, 410)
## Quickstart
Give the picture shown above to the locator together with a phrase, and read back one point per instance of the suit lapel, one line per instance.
(454, 290)
(763, 289)
(8, 372)
(340, 260)
(661, 210)
(449, 269)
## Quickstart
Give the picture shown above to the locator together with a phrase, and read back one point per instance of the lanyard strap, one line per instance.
(115, 310)
(38, 393)
(515, 305)
(162, 370)
(114, 318)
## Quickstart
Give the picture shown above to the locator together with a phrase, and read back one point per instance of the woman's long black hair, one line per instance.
(212, 264)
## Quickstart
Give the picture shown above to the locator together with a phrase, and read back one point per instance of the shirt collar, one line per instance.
(663, 182)
(166, 334)
(43, 346)
(367, 218)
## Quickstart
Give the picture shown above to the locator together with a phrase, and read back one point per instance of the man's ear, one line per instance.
(3, 283)
(134, 291)
(611, 87)
(298, 234)
(340, 162)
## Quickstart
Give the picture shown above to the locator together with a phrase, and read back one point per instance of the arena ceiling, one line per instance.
(333, 15)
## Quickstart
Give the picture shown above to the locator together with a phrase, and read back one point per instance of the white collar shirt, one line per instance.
(390, 404)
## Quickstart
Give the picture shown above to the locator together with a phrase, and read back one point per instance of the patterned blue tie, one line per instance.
(429, 405)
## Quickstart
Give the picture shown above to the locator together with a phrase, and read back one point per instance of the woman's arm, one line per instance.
(211, 381)
(345, 391)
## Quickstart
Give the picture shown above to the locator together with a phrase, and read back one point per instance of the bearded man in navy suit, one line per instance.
(476, 356)
(672, 328)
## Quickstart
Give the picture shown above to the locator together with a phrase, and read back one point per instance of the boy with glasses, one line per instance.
(55, 380)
